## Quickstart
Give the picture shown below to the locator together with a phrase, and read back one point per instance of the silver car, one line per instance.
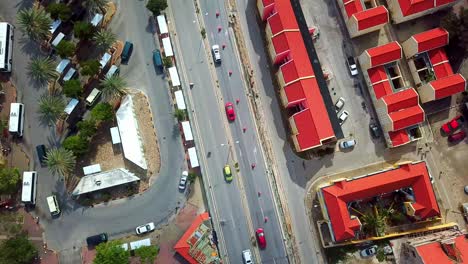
(143, 229)
(345, 144)
(343, 116)
(183, 180)
(339, 104)
(216, 53)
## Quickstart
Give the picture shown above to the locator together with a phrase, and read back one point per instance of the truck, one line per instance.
(157, 60)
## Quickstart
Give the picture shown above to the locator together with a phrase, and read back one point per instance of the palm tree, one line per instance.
(104, 39)
(50, 108)
(35, 23)
(95, 6)
(60, 161)
(42, 69)
(113, 87)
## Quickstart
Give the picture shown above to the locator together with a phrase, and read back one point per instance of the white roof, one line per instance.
(14, 117)
(193, 157)
(69, 74)
(167, 47)
(111, 71)
(71, 106)
(187, 130)
(62, 65)
(105, 59)
(96, 19)
(55, 25)
(162, 24)
(129, 133)
(179, 96)
(103, 180)
(57, 39)
(95, 168)
(27, 183)
(139, 243)
(125, 246)
(115, 135)
(174, 76)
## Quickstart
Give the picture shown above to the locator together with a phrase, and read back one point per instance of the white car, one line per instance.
(216, 53)
(183, 180)
(345, 144)
(369, 252)
(339, 104)
(145, 228)
(352, 66)
(247, 256)
(343, 116)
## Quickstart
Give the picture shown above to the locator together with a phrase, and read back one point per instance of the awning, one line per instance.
(115, 135)
(187, 130)
(179, 96)
(192, 152)
(174, 76)
(62, 65)
(71, 106)
(96, 20)
(70, 73)
(95, 168)
(104, 180)
(112, 71)
(105, 59)
(54, 26)
(162, 24)
(57, 39)
(140, 243)
(167, 47)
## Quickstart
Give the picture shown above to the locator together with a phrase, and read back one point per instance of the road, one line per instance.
(212, 128)
(119, 217)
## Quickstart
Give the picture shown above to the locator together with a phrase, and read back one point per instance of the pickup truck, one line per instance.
(453, 125)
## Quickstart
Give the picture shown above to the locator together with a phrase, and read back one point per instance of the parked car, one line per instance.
(183, 180)
(230, 112)
(227, 173)
(41, 153)
(345, 144)
(126, 52)
(369, 252)
(457, 136)
(452, 125)
(143, 229)
(465, 211)
(260, 234)
(95, 240)
(343, 116)
(375, 131)
(216, 53)
(157, 59)
(466, 189)
(247, 256)
(352, 66)
(339, 104)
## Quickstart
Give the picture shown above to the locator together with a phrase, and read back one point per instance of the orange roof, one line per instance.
(182, 247)
(431, 39)
(352, 7)
(448, 86)
(340, 194)
(399, 137)
(384, 54)
(372, 17)
(410, 7)
(436, 252)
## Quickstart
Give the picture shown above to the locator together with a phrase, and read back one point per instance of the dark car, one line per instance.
(95, 240)
(157, 60)
(457, 136)
(375, 131)
(127, 52)
(41, 153)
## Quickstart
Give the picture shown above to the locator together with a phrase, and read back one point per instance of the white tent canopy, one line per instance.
(95, 168)
(179, 96)
(71, 106)
(104, 180)
(193, 157)
(129, 133)
(115, 135)
(187, 130)
(140, 243)
(167, 47)
(174, 76)
(162, 24)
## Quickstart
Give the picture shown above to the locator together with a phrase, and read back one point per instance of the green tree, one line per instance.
(87, 128)
(457, 26)
(59, 11)
(192, 176)
(156, 6)
(60, 161)
(113, 87)
(180, 114)
(90, 67)
(35, 23)
(104, 39)
(50, 108)
(78, 144)
(167, 62)
(83, 30)
(95, 6)
(17, 250)
(42, 69)
(111, 253)
(102, 112)
(147, 254)
(65, 49)
(9, 179)
(72, 88)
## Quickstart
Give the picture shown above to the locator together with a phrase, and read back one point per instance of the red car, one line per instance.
(452, 125)
(231, 114)
(261, 238)
(457, 136)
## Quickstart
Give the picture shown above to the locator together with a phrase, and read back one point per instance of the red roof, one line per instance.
(182, 247)
(280, 22)
(371, 17)
(281, 45)
(409, 7)
(400, 100)
(295, 91)
(339, 195)
(431, 39)
(384, 54)
(293, 70)
(448, 86)
(399, 137)
(352, 7)
(407, 117)
(379, 81)
(436, 252)
(440, 63)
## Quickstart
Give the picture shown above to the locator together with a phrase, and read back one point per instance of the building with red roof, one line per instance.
(337, 198)
(397, 106)
(404, 10)
(430, 67)
(363, 17)
(300, 92)
(196, 244)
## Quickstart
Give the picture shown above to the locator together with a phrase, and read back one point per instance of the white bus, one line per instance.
(28, 194)
(16, 124)
(6, 46)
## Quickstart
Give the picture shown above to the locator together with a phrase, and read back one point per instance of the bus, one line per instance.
(6, 46)
(16, 124)
(28, 194)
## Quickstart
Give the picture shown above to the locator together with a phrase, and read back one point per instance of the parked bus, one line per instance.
(6, 46)
(16, 124)
(28, 194)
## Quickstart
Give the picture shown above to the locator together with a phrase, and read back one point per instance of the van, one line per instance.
(157, 60)
(96, 239)
(127, 51)
(41, 153)
(247, 256)
(92, 97)
(53, 205)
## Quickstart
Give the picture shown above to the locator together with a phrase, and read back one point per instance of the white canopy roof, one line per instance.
(54, 26)
(115, 135)
(57, 39)
(193, 157)
(70, 73)
(140, 243)
(187, 130)
(105, 59)
(95, 168)
(103, 180)
(96, 19)
(129, 133)
(62, 65)
(174, 76)
(167, 47)
(71, 106)
(179, 96)
(162, 24)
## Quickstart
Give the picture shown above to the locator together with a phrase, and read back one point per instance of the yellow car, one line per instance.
(227, 173)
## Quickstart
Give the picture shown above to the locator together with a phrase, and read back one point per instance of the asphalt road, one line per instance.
(67, 233)
(237, 146)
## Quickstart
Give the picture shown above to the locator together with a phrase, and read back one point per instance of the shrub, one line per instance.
(59, 11)
(90, 67)
(102, 112)
(65, 48)
(83, 30)
(87, 128)
(77, 144)
(156, 6)
(72, 88)
(167, 62)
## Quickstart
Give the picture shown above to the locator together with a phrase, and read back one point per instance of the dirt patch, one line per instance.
(111, 8)
(10, 223)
